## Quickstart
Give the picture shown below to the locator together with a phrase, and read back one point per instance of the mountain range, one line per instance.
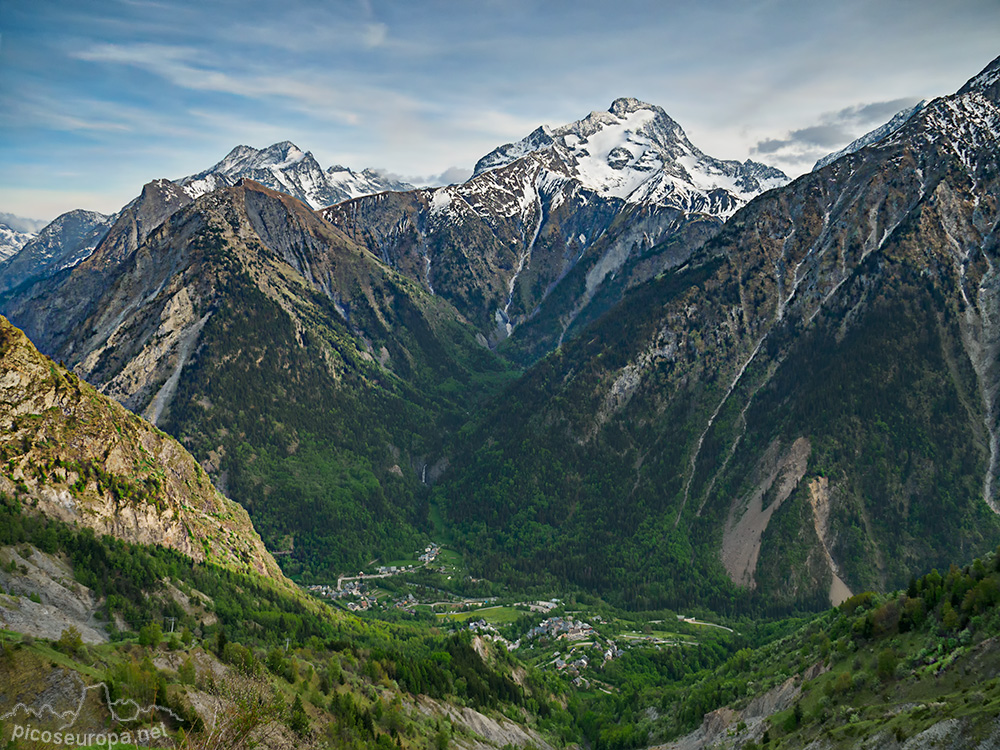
(808, 400)
(181, 290)
(550, 231)
(286, 168)
(35, 250)
(706, 438)
(608, 366)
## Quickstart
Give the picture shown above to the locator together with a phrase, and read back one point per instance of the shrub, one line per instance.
(187, 672)
(886, 664)
(70, 642)
(150, 635)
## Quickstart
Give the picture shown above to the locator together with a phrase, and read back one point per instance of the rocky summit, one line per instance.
(286, 168)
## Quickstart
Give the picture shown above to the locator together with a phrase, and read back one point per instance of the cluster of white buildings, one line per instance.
(562, 627)
(391, 570)
(430, 553)
(353, 588)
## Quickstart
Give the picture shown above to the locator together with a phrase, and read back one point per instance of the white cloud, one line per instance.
(453, 174)
(450, 176)
(312, 92)
(375, 34)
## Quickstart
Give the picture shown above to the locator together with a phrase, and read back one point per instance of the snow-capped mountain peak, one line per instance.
(278, 156)
(626, 105)
(288, 152)
(538, 139)
(11, 241)
(636, 152)
(287, 168)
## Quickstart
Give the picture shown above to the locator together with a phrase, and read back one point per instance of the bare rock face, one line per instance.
(728, 728)
(75, 455)
(487, 732)
(87, 248)
(62, 601)
(159, 200)
(748, 518)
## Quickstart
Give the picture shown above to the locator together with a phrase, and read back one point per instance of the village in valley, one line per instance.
(569, 638)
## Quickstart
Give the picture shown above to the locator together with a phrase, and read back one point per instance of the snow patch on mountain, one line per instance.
(440, 200)
(11, 241)
(969, 124)
(199, 186)
(63, 243)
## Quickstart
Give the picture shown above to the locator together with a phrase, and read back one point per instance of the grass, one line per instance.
(441, 529)
(59, 658)
(449, 558)
(494, 615)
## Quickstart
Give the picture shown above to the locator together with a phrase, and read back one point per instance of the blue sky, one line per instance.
(98, 97)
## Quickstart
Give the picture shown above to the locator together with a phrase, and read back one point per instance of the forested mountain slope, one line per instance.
(312, 382)
(807, 407)
(77, 456)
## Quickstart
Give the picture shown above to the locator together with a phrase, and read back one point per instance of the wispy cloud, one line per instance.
(803, 146)
(309, 91)
(375, 34)
(92, 115)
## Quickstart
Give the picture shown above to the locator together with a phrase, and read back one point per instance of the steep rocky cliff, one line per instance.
(70, 453)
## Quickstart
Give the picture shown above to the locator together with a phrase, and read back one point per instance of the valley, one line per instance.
(612, 445)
